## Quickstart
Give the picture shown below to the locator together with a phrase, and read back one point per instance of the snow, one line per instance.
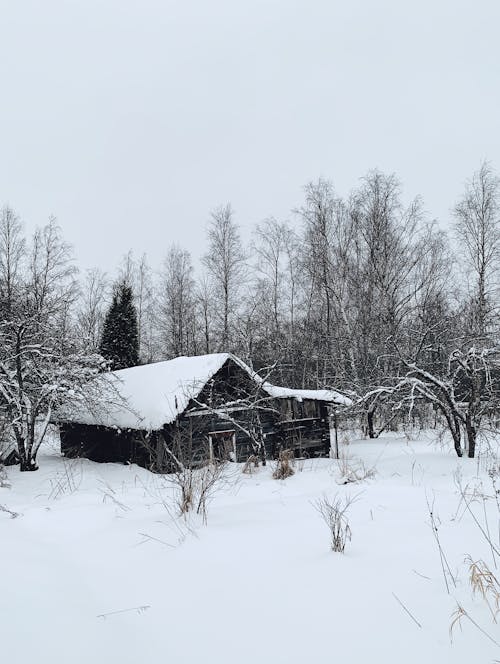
(97, 567)
(330, 396)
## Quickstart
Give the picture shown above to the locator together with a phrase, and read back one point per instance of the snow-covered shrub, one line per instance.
(334, 514)
(283, 467)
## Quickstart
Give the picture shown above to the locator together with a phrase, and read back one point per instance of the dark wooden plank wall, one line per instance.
(105, 444)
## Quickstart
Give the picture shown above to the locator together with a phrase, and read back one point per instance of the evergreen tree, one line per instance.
(120, 339)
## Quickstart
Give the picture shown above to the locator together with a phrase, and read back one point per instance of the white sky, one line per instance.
(130, 120)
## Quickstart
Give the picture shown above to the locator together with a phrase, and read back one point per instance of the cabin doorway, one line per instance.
(222, 445)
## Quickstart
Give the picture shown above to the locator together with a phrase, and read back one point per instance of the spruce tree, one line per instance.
(120, 338)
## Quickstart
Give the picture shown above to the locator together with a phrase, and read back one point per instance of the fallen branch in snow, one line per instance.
(422, 575)
(122, 506)
(406, 609)
(137, 609)
(13, 515)
(155, 539)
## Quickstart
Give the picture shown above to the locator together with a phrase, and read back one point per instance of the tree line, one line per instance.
(326, 297)
(362, 293)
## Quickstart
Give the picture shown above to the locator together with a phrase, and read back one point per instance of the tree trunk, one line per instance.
(457, 439)
(370, 418)
(27, 463)
(27, 460)
(471, 436)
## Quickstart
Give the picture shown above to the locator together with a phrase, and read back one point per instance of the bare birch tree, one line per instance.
(176, 303)
(225, 263)
(477, 217)
(12, 253)
(94, 293)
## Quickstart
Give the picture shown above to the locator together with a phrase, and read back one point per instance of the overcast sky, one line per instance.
(131, 119)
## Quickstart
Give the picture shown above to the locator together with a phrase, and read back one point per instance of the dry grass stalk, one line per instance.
(209, 480)
(284, 465)
(334, 514)
(459, 615)
(484, 583)
(445, 566)
(251, 464)
(185, 483)
(468, 497)
(67, 480)
(352, 472)
(405, 608)
(196, 487)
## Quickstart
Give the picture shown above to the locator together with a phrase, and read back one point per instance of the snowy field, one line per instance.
(98, 568)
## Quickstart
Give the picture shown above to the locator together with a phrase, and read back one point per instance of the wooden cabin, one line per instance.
(193, 409)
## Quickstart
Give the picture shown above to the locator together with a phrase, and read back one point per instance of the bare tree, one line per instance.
(477, 217)
(40, 364)
(12, 253)
(464, 393)
(270, 248)
(176, 303)
(204, 299)
(326, 264)
(270, 307)
(92, 308)
(225, 263)
(318, 215)
(52, 273)
(146, 300)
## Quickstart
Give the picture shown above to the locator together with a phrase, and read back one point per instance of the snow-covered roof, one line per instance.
(149, 396)
(330, 396)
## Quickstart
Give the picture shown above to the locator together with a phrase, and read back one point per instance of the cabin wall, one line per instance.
(305, 427)
(188, 438)
(302, 427)
(190, 435)
(106, 445)
(250, 413)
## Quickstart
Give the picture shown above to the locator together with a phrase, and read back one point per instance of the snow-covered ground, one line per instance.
(97, 568)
